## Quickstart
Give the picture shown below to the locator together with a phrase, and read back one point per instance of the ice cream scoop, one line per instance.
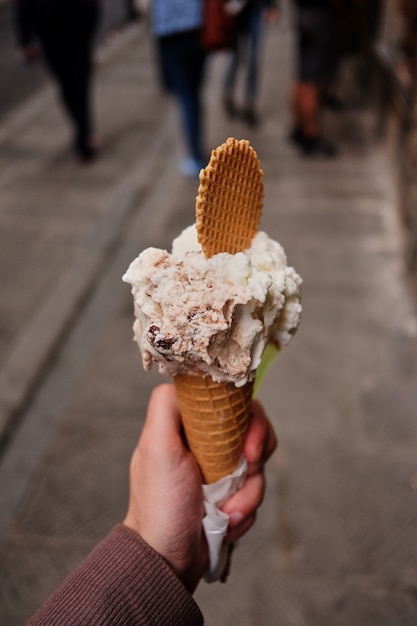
(213, 316)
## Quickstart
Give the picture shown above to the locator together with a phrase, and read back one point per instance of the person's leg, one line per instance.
(184, 62)
(305, 97)
(229, 83)
(191, 107)
(71, 67)
(306, 108)
(79, 86)
(306, 133)
(253, 38)
(230, 80)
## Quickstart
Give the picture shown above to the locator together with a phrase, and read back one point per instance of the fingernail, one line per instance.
(235, 518)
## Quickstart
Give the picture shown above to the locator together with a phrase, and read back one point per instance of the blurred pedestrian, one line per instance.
(63, 34)
(250, 16)
(176, 25)
(408, 41)
(319, 31)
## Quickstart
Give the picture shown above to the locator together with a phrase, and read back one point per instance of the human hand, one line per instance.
(166, 500)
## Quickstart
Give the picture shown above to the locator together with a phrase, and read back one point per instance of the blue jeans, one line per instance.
(182, 62)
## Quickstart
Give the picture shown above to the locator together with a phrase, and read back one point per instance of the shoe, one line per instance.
(333, 102)
(318, 146)
(87, 148)
(87, 154)
(249, 116)
(230, 107)
(296, 137)
(190, 167)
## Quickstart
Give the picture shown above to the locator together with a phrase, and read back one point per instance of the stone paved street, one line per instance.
(335, 540)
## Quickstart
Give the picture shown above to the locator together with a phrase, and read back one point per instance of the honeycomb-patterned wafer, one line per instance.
(230, 198)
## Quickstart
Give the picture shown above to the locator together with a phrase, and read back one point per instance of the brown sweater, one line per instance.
(124, 582)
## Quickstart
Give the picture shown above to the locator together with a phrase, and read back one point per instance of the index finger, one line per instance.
(261, 440)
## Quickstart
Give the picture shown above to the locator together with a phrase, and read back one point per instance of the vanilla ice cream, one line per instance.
(213, 315)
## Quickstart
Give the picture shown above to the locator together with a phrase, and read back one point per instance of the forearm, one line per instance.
(122, 581)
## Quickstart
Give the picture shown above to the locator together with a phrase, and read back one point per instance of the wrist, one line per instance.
(188, 565)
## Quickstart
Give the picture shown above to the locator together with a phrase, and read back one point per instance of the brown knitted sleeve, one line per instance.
(122, 581)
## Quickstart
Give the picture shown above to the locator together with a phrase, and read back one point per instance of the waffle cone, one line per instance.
(215, 417)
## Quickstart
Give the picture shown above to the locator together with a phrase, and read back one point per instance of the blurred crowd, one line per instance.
(326, 33)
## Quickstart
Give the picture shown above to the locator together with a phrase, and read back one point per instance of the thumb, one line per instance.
(162, 427)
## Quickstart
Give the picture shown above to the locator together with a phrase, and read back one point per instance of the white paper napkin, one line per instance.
(215, 521)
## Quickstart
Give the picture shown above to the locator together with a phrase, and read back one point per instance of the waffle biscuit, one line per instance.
(230, 198)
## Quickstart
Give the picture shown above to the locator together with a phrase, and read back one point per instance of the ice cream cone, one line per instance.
(228, 210)
(215, 417)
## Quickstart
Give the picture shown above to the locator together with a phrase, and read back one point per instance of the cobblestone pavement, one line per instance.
(334, 542)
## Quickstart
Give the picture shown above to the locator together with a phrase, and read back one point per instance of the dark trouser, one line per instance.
(182, 62)
(319, 46)
(246, 52)
(71, 65)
